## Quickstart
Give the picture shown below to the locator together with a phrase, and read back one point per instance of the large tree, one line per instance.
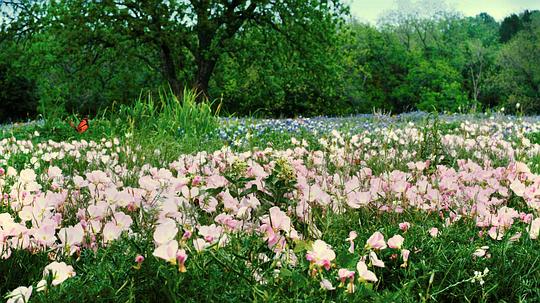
(184, 33)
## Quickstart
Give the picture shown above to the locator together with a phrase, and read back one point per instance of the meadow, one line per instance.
(166, 201)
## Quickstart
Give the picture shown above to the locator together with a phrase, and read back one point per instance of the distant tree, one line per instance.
(519, 78)
(513, 24)
(510, 26)
(378, 65)
(417, 23)
(87, 54)
(270, 75)
(480, 46)
(434, 86)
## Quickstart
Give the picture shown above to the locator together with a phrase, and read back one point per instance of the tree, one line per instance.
(378, 65)
(417, 23)
(184, 33)
(513, 24)
(510, 26)
(480, 46)
(271, 74)
(519, 77)
(434, 86)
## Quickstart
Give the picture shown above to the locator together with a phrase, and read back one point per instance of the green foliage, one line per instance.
(18, 100)
(78, 74)
(513, 24)
(176, 124)
(285, 72)
(519, 77)
(168, 115)
(437, 86)
(377, 67)
(296, 58)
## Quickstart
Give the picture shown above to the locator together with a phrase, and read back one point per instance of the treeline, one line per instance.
(265, 58)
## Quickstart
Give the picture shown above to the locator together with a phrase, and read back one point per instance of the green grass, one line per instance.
(222, 276)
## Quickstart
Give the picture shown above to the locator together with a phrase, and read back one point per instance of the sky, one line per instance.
(370, 10)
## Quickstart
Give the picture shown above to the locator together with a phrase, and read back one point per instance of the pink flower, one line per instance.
(399, 186)
(59, 271)
(321, 254)
(355, 199)
(71, 236)
(138, 259)
(122, 220)
(196, 181)
(363, 273)
(375, 261)
(376, 241)
(405, 256)
(352, 236)
(345, 274)
(200, 244)
(44, 235)
(227, 220)
(526, 218)
(111, 232)
(181, 257)
(216, 181)
(229, 202)
(211, 233)
(317, 194)
(167, 252)
(272, 225)
(187, 234)
(325, 284)
(27, 176)
(20, 294)
(148, 184)
(515, 237)
(190, 193)
(481, 252)
(496, 233)
(54, 172)
(534, 229)
(404, 226)
(518, 188)
(396, 242)
(165, 232)
(279, 220)
(434, 232)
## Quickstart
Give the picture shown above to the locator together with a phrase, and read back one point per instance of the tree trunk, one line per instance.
(210, 44)
(205, 68)
(169, 70)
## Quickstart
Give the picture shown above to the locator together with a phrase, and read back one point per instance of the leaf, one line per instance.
(251, 190)
(285, 273)
(301, 245)
(348, 260)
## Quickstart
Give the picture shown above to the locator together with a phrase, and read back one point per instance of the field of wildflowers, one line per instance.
(413, 208)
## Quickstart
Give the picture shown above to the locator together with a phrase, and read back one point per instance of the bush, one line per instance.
(435, 86)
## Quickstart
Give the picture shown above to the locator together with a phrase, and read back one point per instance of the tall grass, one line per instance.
(166, 115)
(174, 125)
(163, 121)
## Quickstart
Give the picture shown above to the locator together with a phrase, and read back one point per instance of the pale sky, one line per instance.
(370, 10)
